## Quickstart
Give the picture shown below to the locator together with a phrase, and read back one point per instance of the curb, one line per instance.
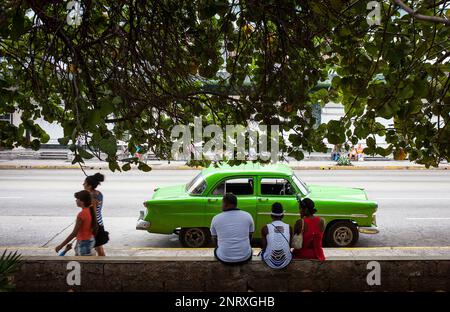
(368, 168)
(94, 167)
(184, 167)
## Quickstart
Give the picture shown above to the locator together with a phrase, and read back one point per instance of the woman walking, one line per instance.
(85, 226)
(90, 184)
(312, 228)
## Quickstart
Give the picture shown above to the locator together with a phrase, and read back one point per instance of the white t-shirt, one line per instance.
(232, 229)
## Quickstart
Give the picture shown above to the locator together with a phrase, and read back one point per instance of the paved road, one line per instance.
(37, 208)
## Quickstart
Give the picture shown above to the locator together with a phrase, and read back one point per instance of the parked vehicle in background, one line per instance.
(187, 209)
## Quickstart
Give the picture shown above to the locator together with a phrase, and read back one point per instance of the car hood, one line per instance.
(169, 191)
(337, 193)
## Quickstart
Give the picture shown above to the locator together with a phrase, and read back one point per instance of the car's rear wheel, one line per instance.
(194, 237)
(342, 234)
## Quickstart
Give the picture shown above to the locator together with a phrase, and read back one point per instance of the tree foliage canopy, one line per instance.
(137, 68)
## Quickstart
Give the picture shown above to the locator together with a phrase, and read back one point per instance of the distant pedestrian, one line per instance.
(85, 227)
(360, 152)
(90, 184)
(232, 231)
(276, 240)
(353, 155)
(312, 228)
(138, 153)
(336, 152)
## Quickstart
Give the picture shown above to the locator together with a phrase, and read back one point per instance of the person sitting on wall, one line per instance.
(336, 152)
(360, 152)
(232, 231)
(311, 227)
(276, 240)
(353, 154)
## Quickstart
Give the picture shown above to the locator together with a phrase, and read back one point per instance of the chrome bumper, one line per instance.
(368, 230)
(141, 223)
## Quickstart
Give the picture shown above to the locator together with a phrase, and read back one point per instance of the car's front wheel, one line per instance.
(194, 237)
(342, 234)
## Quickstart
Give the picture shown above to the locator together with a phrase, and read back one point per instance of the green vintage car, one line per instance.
(187, 209)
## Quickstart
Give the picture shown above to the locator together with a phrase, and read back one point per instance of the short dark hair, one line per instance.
(85, 197)
(230, 198)
(277, 208)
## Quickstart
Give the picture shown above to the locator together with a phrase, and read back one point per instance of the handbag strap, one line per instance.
(280, 233)
(303, 228)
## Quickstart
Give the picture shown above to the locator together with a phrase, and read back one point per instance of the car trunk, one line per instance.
(169, 191)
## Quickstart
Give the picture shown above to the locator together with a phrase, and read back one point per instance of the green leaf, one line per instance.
(420, 88)
(117, 100)
(18, 25)
(106, 107)
(77, 159)
(94, 118)
(113, 166)
(144, 167)
(297, 154)
(370, 141)
(126, 167)
(44, 138)
(64, 141)
(85, 154)
(336, 132)
(109, 146)
(406, 92)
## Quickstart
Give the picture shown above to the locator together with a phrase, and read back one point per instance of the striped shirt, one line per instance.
(277, 254)
(98, 210)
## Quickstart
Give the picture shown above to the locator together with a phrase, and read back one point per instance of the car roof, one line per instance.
(248, 168)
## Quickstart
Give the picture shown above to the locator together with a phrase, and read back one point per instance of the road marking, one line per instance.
(412, 198)
(10, 197)
(431, 218)
(393, 248)
(23, 248)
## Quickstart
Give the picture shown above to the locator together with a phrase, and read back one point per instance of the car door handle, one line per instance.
(212, 200)
(263, 199)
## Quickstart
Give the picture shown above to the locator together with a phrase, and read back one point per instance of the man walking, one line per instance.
(232, 231)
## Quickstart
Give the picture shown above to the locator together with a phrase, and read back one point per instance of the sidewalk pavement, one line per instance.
(330, 253)
(181, 165)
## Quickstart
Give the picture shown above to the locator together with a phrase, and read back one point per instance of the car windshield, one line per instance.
(301, 185)
(197, 185)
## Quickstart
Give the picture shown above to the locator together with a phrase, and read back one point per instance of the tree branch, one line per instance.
(427, 18)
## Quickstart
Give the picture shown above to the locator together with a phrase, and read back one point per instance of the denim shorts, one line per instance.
(84, 247)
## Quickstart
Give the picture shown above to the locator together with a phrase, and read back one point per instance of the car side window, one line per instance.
(276, 186)
(220, 189)
(238, 186)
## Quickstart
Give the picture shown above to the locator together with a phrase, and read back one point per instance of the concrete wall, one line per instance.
(200, 274)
